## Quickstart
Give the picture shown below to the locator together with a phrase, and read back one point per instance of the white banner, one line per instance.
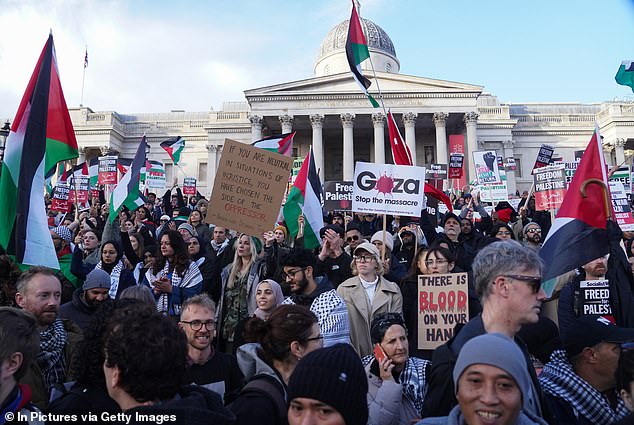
(155, 176)
(493, 192)
(388, 189)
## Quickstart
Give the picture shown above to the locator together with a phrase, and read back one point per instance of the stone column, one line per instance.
(619, 146)
(409, 119)
(82, 155)
(471, 121)
(510, 175)
(317, 123)
(287, 123)
(378, 120)
(256, 127)
(347, 121)
(211, 165)
(440, 121)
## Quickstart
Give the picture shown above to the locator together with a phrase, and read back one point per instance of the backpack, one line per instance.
(264, 385)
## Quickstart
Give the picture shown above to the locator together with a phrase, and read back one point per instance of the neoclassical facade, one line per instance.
(329, 112)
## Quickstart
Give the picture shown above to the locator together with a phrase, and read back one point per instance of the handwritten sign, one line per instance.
(107, 170)
(443, 303)
(338, 196)
(189, 186)
(248, 188)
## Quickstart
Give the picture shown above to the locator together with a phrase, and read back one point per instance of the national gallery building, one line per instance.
(329, 111)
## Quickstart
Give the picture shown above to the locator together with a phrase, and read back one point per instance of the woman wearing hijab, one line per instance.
(112, 263)
(198, 253)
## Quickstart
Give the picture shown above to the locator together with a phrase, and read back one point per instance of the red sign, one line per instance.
(456, 145)
(456, 160)
(189, 186)
(550, 187)
(59, 201)
(107, 170)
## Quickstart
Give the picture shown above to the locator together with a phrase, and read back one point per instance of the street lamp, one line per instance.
(4, 133)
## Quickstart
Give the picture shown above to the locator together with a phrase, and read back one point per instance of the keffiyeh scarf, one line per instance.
(51, 355)
(115, 275)
(164, 303)
(559, 380)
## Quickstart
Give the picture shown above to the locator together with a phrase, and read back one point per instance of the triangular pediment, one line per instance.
(344, 83)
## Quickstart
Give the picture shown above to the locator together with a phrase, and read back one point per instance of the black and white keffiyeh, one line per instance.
(115, 276)
(190, 278)
(559, 380)
(51, 355)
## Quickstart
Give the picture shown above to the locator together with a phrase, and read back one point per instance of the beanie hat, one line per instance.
(189, 228)
(258, 244)
(63, 232)
(532, 223)
(499, 351)
(283, 229)
(389, 239)
(97, 278)
(334, 376)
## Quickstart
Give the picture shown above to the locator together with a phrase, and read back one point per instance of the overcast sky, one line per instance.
(155, 56)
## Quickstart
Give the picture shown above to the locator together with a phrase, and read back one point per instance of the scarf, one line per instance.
(559, 380)
(219, 248)
(115, 275)
(191, 277)
(51, 355)
(412, 379)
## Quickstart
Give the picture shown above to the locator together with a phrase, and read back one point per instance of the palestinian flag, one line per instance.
(41, 136)
(578, 234)
(305, 198)
(356, 52)
(281, 143)
(93, 173)
(174, 147)
(625, 74)
(400, 151)
(123, 165)
(127, 191)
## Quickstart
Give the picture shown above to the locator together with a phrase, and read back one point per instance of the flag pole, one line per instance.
(83, 78)
(378, 86)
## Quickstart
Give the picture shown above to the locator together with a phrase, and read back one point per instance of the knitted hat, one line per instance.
(283, 229)
(165, 217)
(63, 232)
(389, 239)
(532, 223)
(495, 350)
(189, 228)
(258, 243)
(97, 278)
(334, 376)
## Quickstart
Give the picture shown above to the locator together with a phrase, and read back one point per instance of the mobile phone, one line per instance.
(379, 354)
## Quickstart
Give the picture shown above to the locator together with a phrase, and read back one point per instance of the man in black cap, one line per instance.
(579, 381)
(87, 299)
(451, 231)
(333, 261)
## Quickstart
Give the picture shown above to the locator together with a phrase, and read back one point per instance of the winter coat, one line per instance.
(77, 310)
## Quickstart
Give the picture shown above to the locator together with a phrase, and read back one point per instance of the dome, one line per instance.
(332, 55)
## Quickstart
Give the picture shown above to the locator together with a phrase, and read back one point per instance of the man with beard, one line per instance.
(317, 294)
(39, 293)
(86, 299)
(463, 252)
(209, 368)
(570, 305)
(533, 236)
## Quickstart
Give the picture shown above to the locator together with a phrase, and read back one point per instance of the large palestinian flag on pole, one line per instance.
(127, 192)
(41, 136)
(625, 75)
(578, 234)
(305, 198)
(280, 143)
(174, 147)
(356, 52)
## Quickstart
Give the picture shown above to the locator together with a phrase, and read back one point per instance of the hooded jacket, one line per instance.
(456, 418)
(77, 310)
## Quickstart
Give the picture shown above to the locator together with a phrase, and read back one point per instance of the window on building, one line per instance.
(169, 174)
(202, 172)
(518, 167)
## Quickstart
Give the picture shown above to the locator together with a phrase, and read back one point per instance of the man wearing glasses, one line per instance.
(354, 238)
(533, 236)
(214, 370)
(508, 285)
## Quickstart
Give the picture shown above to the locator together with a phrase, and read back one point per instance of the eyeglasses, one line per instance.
(533, 231)
(535, 282)
(352, 238)
(197, 325)
(363, 258)
(291, 273)
(440, 261)
(315, 338)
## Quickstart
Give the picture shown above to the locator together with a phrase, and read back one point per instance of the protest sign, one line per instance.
(59, 201)
(443, 303)
(579, 155)
(515, 203)
(486, 167)
(455, 165)
(570, 168)
(544, 156)
(621, 205)
(79, 187)
(189, 186)
(338, 196)
(550, 187)
(510, 165)
(501, 168)
(595, 298)
(107, 170)
(388, 189)
(435, 171)
(432, 205)
(248, 188)
(622, 174)
(155, 175)
(493, 192)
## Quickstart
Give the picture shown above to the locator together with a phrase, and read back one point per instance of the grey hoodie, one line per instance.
(456, 418)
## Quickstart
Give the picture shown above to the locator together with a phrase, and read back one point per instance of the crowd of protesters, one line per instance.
(156, 314)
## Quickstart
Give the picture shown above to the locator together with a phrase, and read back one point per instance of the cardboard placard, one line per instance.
(544, 156)
(338, 196)
(621, 205)
(550, 187)
(455, 165)
(443, 302)
(388, 189)
(248, 188)
(189, 186)
(486, 167)
(595, 298)
(107, 170)
(59, 201)
(435, 171)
